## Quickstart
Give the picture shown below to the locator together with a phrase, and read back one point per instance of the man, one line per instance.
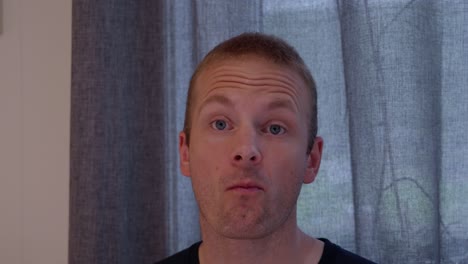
(248, 144)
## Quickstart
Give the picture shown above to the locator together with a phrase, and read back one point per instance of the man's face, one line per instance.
(247, 156)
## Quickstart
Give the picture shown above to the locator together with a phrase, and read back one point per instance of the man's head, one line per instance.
(267, 47)
(249, 120)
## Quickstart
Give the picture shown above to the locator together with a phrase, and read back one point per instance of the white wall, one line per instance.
(35, 58)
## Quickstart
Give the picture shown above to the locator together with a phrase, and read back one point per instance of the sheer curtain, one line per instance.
(392, 81)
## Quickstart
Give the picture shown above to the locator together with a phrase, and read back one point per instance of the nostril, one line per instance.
(238, 157)
(253, 158)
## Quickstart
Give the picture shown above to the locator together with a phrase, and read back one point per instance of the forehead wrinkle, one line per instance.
(239, 85)
(290, 102)
(282, 79)
(236, 82)
(253, 78)
(262, 87)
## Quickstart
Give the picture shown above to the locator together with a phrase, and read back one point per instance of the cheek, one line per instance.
(205, 163)
(203, 177)
(210, 152)
(288, 168)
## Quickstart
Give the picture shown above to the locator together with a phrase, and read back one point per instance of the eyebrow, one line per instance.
(281, 104)
(219, 99)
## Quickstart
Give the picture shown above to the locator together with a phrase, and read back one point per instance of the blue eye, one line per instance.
(276, 129)
(219, 125)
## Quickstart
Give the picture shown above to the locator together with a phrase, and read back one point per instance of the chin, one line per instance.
(245, 230)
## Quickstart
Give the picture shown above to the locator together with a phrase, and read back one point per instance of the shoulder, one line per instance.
(186, 256)
(335, 254)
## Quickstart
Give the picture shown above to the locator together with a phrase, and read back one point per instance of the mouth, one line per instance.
(245, 187)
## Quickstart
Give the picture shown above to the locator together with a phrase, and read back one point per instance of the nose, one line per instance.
(246, 151)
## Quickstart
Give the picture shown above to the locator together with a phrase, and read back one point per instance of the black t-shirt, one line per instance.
(332, 254)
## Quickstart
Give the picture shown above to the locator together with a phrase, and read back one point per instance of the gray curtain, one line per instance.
(392, 81)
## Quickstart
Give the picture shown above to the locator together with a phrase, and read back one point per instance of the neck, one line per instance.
(288, 244)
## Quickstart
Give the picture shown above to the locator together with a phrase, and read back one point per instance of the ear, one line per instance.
(313, 160)
(184, 155)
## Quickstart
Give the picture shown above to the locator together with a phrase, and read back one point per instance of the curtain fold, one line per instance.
(453, 183)
(393, 83)
(392, 100)
(117, 165)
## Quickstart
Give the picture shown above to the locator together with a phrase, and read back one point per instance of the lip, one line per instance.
(245, 187)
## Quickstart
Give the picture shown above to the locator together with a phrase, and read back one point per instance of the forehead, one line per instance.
(254, 75)
(248, 71)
